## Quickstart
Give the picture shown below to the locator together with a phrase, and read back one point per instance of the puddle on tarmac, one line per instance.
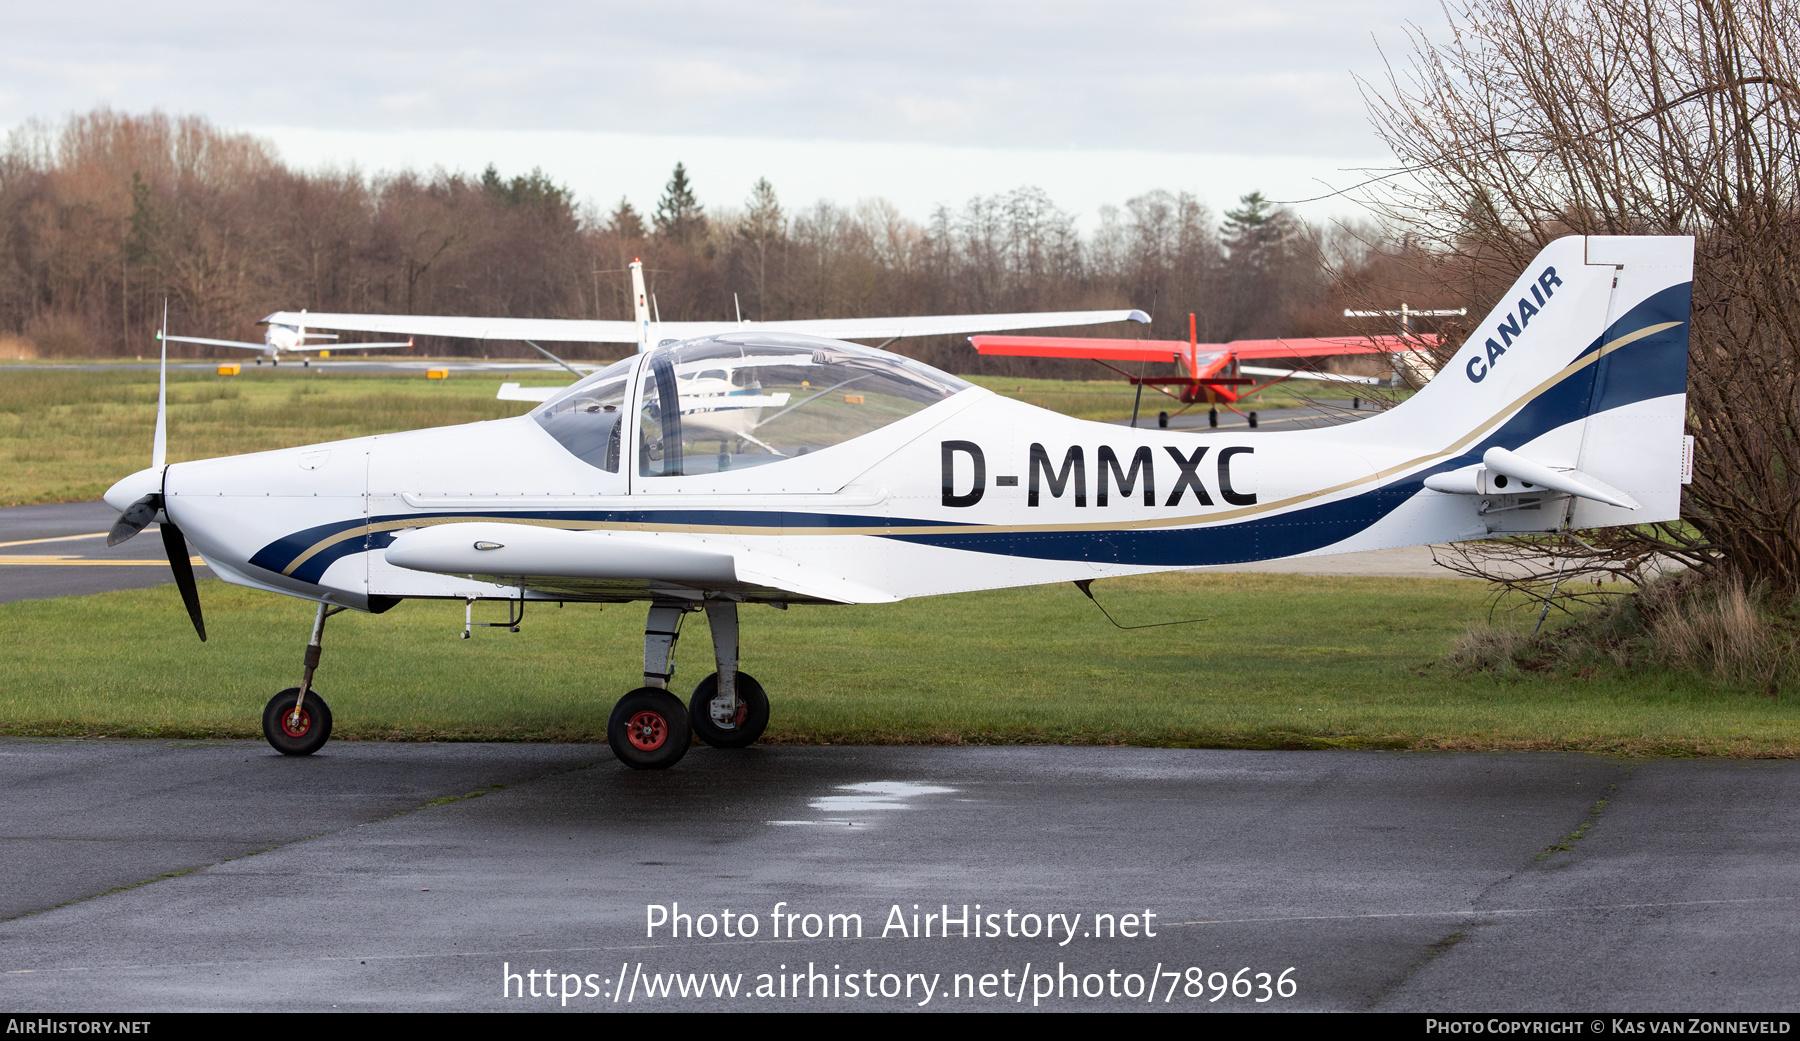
(876, 795)
(861, 798)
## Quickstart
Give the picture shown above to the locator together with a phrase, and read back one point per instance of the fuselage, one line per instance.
(777, 467)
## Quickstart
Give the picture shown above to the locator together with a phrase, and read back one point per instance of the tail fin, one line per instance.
(640, 307)
(1582, 370)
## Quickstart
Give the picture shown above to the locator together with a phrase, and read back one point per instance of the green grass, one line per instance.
(67, 434)
(1283, 662)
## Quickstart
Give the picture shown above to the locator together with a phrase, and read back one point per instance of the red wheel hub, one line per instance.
(296, 724)
(647, 731)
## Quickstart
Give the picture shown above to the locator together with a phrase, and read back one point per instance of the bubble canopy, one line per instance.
(740, 400)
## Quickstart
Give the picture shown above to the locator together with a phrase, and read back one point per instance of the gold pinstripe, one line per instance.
(960, 529)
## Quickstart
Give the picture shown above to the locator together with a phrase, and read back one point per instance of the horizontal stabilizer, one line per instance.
(1507, 473)
(1571, 481)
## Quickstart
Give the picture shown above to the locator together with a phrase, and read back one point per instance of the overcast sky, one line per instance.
(925, 102)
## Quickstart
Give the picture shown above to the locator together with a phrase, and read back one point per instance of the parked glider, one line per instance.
(284, 336)
(878, 478)
(647, 330)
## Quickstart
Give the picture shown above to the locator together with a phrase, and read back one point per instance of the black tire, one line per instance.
(648, 729)
(306, 736)
(752, 714)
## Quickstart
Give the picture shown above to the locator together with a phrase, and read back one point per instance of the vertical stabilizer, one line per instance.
(1581, 369)
(640, 305)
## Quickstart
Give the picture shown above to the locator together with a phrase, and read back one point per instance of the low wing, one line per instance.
(584, 331)
(217, 343)
(552, 560)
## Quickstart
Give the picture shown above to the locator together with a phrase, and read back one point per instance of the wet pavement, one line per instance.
(217, 875)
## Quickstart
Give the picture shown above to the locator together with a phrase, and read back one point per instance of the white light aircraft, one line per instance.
(877, 478)
(288, 336)
(647, 330)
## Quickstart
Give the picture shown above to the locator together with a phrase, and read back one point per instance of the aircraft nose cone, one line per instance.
(133, 488)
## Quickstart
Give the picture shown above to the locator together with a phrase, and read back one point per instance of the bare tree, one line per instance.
(1540, 118)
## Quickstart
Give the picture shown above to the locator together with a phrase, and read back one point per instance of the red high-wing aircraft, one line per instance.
(1213, 371)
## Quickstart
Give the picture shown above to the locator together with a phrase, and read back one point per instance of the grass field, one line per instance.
(1281, 662)
(67, 434)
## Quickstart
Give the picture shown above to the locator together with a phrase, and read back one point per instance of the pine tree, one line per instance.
(678, 214)
(625, 221)
(535, 190)
(764, 225)
(763, 219)
(1254, 227)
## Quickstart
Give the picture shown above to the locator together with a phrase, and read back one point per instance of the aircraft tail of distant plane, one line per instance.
(1575, 384)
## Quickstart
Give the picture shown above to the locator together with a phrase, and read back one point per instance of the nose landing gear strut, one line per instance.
(297, 721)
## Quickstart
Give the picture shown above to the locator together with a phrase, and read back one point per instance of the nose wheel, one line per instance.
(296, 725)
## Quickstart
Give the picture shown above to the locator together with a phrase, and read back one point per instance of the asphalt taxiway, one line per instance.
(217, 875)
(60, 549)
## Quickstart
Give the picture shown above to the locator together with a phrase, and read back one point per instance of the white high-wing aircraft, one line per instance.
(877, 478)
(288, 336)
(646, 330)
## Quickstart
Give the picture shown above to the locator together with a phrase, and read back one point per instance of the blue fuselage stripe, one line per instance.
(1652, 367)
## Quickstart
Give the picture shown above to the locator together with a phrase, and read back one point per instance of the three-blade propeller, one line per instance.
(133, 520)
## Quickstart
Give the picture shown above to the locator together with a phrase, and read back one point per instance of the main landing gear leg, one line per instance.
(729, 708)
(648, 729)
(297, 721)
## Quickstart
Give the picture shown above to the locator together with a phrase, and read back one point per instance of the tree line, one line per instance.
(108, 215)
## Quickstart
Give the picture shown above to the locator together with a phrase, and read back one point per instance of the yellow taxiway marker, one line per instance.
(59, 538)
(47, 560)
